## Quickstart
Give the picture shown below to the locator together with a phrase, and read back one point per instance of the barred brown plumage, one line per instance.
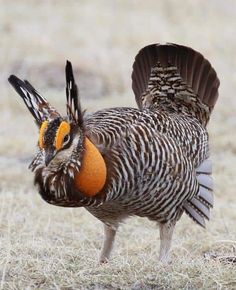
(156, 157)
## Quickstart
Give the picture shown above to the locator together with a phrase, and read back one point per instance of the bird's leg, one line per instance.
(109, 237)
(166, 232)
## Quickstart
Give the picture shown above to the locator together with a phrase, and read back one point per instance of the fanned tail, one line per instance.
(175, 78)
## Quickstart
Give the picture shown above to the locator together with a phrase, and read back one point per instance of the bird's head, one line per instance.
(58, 136)
(62, 142)
(56, 133)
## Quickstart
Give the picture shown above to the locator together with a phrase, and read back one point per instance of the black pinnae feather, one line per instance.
(73, 105)
(30, 86)
(25, 90)
(36, 104)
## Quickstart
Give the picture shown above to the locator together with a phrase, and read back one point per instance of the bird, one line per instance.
(150, 161)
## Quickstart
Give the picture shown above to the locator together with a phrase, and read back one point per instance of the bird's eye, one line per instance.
(66, 139)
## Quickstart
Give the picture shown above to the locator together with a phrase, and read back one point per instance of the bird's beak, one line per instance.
(49, 155)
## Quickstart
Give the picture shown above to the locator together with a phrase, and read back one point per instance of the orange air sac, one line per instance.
(93, 172)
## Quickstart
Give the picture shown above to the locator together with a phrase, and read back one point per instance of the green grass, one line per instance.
(45, 247)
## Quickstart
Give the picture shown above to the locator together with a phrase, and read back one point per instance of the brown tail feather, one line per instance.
(197, 85)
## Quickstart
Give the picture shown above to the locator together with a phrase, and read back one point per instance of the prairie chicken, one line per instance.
(151, 161)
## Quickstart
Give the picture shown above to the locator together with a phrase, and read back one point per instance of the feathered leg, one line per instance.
(109, 237)
(166, 232)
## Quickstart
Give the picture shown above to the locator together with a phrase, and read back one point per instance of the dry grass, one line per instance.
(45, 247)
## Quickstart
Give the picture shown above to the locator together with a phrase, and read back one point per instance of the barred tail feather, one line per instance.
(194, 214)
(198, 208)
(203, 209)
(163, 73)
(206, 196)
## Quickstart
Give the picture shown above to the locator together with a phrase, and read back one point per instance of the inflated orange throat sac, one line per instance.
(92, 175)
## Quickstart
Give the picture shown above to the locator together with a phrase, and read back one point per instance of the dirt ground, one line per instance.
(45, 247)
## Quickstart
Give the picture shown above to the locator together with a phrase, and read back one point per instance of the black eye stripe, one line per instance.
(50, 132)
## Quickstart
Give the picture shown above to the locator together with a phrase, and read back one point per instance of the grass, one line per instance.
(55, 248)
(45, 247)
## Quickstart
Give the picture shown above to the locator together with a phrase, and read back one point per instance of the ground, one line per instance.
(45, 247)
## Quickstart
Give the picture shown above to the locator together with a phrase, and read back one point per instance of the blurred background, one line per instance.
(101, 38)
